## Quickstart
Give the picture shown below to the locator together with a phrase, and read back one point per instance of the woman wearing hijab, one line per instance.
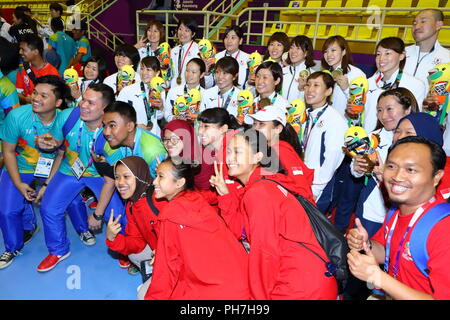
(180, 140)
(424, 125)
(133, 182)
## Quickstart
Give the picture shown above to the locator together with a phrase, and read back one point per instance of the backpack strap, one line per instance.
(71, 120)
(151, 204)
(419, 235)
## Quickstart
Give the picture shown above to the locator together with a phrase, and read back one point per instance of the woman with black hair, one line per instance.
(185, 51)
(197, 257)
(125, 54)
(271, 121)
(224, 93)
(22, 25)
(270, 220)
(268, 85)
(300, 66)
(232, 41)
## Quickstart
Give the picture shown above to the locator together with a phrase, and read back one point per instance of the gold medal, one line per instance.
(178, 80)
(336, 73)
(304, 74)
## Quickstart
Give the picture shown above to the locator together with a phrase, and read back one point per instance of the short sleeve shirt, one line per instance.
(20, 128)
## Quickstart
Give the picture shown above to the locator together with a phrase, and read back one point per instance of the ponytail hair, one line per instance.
(219, 116)
(289, 135)
(181, 169)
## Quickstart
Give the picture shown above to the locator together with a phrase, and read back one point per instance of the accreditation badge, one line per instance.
(43, 167)
(78, 168)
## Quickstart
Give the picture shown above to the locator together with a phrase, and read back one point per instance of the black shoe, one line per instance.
(7, 258)
(28, 234)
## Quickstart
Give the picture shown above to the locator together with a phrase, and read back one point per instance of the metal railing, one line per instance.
(260, 28)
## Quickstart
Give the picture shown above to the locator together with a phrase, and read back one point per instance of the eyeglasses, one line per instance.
(173, 140)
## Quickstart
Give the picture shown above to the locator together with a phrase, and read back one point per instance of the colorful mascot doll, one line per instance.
(357, 142)
(71, 77)
(193, 98)
(439, 79)
(358, 94)
(245, 104)
(181, 108)
(296, 116)
(207, 50)
(125, 77)
(156, 85)
(163, 54)
(254, 60)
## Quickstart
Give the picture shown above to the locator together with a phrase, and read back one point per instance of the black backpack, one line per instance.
(329, 238)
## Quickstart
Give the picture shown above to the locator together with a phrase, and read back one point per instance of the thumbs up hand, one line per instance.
(357, 237)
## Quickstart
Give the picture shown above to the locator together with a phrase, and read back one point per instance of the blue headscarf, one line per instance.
(426, 126)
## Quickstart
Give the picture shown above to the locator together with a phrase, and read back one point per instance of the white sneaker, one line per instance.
(87, 238)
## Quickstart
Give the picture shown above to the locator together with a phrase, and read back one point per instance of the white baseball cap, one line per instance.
(268, 113)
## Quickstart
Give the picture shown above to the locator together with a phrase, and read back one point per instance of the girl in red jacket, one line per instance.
(271, 121)
(197, 257)
(273, 222)
(180, 140)
(133, 182)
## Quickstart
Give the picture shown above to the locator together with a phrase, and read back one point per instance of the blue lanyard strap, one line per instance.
(227, 102)
(307, 131)
(415, 217)
(80, 131)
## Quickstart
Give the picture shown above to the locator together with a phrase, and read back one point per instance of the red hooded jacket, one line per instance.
(273, 222)
(296, 169)
(140, 229)
(197, 257)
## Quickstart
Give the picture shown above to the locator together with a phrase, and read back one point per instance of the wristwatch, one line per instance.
(96, 217)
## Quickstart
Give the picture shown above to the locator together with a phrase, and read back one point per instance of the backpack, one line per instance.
(70, 122)
(329, 237)
(419, 235)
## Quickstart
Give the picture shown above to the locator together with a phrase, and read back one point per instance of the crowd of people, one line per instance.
(176, 159)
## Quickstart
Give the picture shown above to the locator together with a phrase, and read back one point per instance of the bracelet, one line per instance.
(96, 217)
(369, 243)
(45, 184)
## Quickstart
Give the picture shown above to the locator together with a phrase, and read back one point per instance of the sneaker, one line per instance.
(50, 262)
(87, 238)
(28, 234)
(7, 258)
(124, 263)
(132, 270)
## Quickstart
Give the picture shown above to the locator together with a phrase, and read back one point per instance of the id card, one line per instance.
(78, 168)
(43, 167)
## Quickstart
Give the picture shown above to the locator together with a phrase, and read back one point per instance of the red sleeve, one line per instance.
(443, 188)
(297, 170)
(380, 236)
(20, 84)
(263, 259)
(131, 242)
(438, 247)
(168, 263)
(229, 209)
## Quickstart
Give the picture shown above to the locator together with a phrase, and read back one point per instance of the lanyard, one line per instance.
(148, 110)
(292, 80)
(227, 102)
(307, 131)
(420, 61)
(388, 86)
(229, 54)
(180, 66)
(416, 216)
(133, 148)
(80, 131)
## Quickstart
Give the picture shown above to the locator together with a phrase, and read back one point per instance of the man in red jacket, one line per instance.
(412, 171)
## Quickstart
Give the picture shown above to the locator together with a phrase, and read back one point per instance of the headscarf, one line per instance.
(192, 151)
(139, 168)
(426, 126)
(185, 131)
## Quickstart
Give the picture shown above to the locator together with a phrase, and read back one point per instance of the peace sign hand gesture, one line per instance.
(218, 180)
(114, 226)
